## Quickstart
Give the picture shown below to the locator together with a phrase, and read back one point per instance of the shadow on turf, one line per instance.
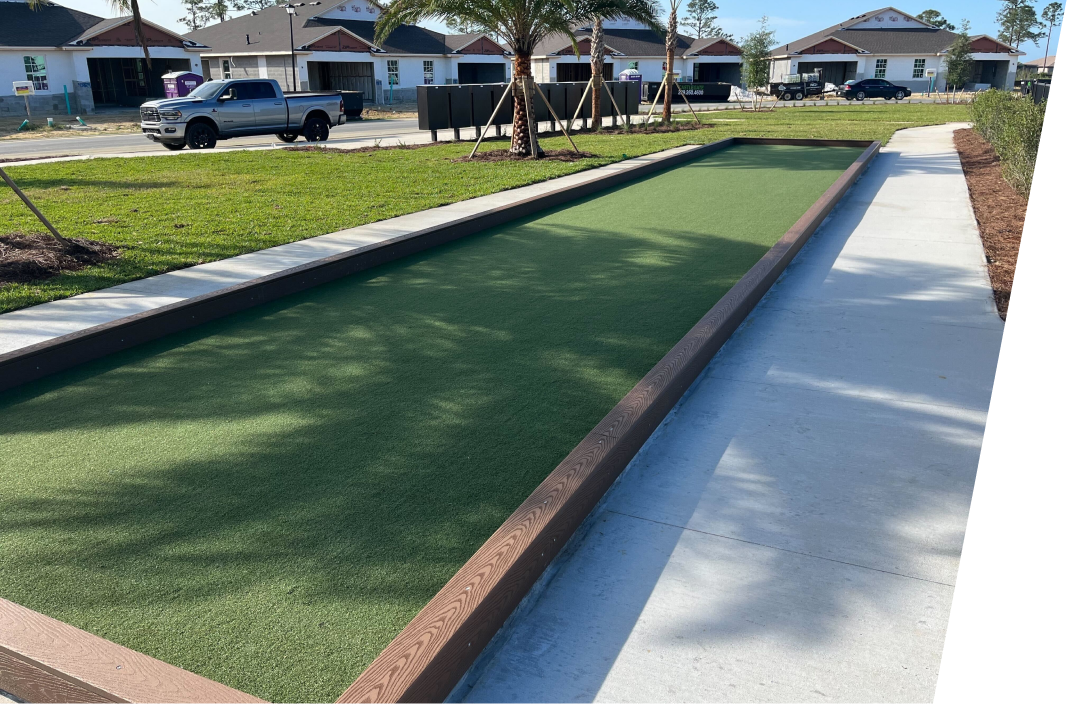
(268, 499)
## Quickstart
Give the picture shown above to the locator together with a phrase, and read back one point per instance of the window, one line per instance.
(261, 90)
(226, 68)
(879, 67)
(633, 66)
(35, 72)
(392, 67)
(919, 69)
(427, 72)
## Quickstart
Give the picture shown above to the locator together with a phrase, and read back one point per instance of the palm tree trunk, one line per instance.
(672, 44)
(138, 30)
(596, 63)
(523, 124)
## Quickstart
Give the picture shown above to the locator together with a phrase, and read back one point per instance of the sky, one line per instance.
(790, 19)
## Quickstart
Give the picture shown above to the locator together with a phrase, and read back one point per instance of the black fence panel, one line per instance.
(433, 107)
(460, 105)
(456, 106)
(507, 111)
(482, 103)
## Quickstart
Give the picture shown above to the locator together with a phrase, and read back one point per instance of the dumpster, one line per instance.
(179, 84)
(353, 102)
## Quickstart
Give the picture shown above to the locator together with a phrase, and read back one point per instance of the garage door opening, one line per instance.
(717, 73)
(836, 72)
(481, 73)
(580, 72)
(342, 75)
(129, 82)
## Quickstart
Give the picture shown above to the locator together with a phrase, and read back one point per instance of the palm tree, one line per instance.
(123, 6)
(672, 44)
(523, 24)
(596, 65)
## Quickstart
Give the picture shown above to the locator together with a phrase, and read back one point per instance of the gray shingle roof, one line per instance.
(51, 25)
(268, 31)
(630, 42)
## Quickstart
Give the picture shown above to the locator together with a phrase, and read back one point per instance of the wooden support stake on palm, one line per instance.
(554, 115)
(500, 104)
(682, 93)
(655, 100)
(581, 102)
(33, 208)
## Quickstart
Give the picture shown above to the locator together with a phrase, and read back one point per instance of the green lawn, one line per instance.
(268, 499)
(172, 212)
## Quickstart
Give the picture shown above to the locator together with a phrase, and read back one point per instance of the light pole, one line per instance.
(290, 9)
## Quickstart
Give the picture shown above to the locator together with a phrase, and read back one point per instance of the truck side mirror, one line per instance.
(228, 95)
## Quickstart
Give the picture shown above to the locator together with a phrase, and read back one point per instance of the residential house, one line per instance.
(631, 45)
(84, 60)
(1042, 66)
(332, 48)
(896, 46)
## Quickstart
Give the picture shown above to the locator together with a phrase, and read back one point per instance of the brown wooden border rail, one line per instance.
(45, 660)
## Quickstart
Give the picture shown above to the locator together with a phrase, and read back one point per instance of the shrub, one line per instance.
(1012, 125)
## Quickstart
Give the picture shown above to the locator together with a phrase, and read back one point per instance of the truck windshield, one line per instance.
(207, 90)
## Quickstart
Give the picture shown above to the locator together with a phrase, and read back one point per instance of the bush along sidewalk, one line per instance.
(1012, 125)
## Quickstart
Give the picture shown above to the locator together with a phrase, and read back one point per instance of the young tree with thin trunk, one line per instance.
(523, 24)
(959, 62)
(756, 59)
(668, 75)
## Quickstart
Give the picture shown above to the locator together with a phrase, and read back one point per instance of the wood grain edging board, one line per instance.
(45, 660)
(429, 657)
(51, 356)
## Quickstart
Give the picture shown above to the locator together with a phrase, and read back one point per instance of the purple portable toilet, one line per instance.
(179, 83)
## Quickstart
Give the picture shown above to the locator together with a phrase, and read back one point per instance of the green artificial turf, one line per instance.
(175, 211)
(268, 499)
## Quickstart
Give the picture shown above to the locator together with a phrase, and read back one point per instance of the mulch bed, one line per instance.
(998, 208)
(549, 155)
(26, 258)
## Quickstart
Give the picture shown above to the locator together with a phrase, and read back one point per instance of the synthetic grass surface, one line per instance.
(267, 500)
(175, 211)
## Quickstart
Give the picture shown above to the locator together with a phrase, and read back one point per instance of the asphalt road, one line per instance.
(353, 132)
(359, 133)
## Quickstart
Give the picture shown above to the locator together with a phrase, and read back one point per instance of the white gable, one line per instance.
(353, 10)
(888, 19)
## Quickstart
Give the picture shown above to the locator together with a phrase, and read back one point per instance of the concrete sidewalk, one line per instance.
(792, 531)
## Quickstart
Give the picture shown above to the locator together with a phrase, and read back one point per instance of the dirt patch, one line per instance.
(998, 208)
(25, 258)
(549, 155)
(656, 127)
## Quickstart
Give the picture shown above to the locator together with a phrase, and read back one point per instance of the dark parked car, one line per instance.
(873, 88)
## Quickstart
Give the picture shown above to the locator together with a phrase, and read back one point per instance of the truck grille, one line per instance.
(149, 115)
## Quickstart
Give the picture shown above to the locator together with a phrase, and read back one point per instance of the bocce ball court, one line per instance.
(376, 468)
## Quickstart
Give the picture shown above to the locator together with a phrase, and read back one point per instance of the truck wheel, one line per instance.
(787, 96)
(174, 146)
(316, 130)
(287, 136)
(200, 136)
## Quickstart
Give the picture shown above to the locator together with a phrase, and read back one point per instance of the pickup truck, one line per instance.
(237, 108)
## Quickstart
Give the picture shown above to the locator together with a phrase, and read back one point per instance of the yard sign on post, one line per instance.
(25, 89)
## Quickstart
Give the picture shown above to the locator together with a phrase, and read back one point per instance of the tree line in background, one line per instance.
(200, 13)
